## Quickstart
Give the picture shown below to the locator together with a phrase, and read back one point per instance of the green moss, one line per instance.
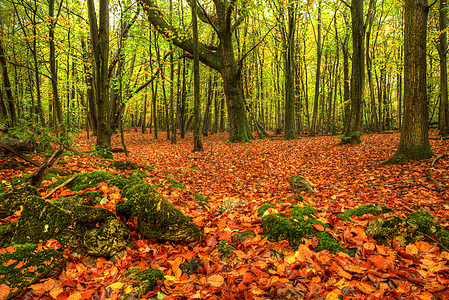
(300, 211)
(110, 238)
(200, 197)
(353, 138)
(295, 229)
(225, 249)
(41, 220)
(373, 209)
(123, 165)
(59, 172)
(384, 230)
(173, 183)
(263, 208)
(157, 218)
(70, 203)
(424, 222)
(125, 209)
(141, 280)
(6, 234)
(10, 201)
(24, 265)
(148, 168)
(137, 175)
(242, 236)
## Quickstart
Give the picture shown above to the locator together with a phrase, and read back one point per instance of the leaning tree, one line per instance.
(224, 22)
(414, 143)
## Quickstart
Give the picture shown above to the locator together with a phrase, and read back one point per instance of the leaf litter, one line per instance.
(344, 177)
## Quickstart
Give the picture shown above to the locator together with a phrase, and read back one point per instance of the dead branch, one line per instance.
(60, 186)
(43, 170)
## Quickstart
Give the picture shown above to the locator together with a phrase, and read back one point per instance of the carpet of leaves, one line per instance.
(344, 176)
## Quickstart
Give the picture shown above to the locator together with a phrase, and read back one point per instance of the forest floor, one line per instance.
(344, 177)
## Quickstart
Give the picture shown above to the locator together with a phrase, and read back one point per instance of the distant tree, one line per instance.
(414, 143)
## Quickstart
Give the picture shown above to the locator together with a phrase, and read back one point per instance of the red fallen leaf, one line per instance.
(4, 291)
(318, 227)
(403, 288)
(315, 241)
(53, 244)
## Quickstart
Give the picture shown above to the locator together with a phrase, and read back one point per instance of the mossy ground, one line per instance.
(225, 249)
(373, 209)
(34, 263)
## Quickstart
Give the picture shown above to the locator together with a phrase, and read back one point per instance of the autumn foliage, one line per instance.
(344, 177)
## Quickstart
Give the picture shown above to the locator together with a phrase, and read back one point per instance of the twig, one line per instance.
(60, 186)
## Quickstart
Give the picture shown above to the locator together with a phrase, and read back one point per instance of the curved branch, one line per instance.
(207, 56)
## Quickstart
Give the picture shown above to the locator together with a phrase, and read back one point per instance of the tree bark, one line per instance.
(442, 50)
(353, 132)
(197, 144)
(414, 142)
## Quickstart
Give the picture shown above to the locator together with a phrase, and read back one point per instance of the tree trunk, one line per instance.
(414, 142)
(197, 144)
(352, 134)
(11, 107)
(442, 50)
(313, 128)
(290, 128)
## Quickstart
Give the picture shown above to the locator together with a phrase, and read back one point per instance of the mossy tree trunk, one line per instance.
(414, 143)
(442, 50)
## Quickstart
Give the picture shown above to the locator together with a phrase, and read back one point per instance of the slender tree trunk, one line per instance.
(442, 50)
(289, 72)
(313, 129)
(370, 20)
(11, 107)
(197, 144)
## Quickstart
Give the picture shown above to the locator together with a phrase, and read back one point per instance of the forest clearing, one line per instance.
(344, 177)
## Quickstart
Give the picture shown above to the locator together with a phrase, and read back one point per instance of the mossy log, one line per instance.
(24, 265)
(156, 217)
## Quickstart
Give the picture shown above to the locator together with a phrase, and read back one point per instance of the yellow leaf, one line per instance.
(116, 285)
(128, 289)
(334, 295)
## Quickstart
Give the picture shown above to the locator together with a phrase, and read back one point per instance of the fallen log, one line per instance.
(18, 145)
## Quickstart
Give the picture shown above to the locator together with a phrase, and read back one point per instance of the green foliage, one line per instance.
(102, 153)
(202, 200)
(27, 130)
(173, 183)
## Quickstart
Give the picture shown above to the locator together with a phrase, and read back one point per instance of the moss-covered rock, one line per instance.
(264, 207)
(231, 203)
(225, 249)
(41, 220)
(300, 184)
(296, 228)
(71, 202)
(242, 236)
(191, 266)
(108, 239)
(156, 217)
(79, 228)
(123, 165)
(374, 209)
(24, 265)
(138, 281)
(6, 233)
(11, 200)
(59, 172)
(417, 226)
(303, 210)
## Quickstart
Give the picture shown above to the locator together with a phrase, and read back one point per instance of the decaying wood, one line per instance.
(18, 154)
(60, 186)
(18, 145)
(38, 176)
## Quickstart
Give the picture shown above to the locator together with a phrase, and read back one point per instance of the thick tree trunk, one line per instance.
(353, 132)
(197, 144)
(414, 143)
(11, 107)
